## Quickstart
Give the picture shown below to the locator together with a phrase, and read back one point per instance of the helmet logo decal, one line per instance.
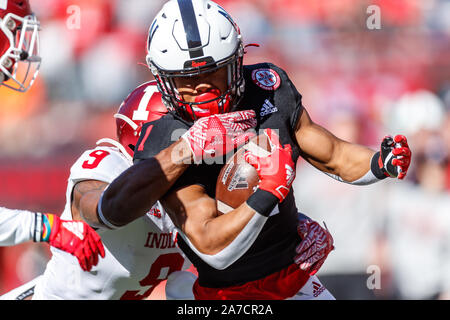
(198, 64)
(141, 113)
(266, 79)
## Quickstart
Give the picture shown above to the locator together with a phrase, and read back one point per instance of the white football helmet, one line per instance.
(19, 45)
(192, 37)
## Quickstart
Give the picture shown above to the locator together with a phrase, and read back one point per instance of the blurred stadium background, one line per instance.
(392, 239)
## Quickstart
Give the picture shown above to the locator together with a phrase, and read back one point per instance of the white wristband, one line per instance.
(368, 178)
(37, 230)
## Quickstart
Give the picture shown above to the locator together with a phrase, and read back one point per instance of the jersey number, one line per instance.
(173, 261)
(96, 156)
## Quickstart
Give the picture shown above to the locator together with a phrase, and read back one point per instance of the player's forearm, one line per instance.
(342, 160)
(87, 210)
(224, 239)
(345, 161)
(136, 190)
(217, 233)
(221, 240)
(351, 161)
(85, 197)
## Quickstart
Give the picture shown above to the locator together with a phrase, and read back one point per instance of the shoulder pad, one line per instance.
(102, 163)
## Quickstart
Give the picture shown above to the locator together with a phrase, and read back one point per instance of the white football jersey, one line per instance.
(137, 256)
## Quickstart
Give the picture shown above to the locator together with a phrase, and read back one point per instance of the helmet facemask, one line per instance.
(191, 111)
(21, 61)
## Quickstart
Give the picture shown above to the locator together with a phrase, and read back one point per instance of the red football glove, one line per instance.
(317, 243)
(276, 171)
(395, 156)
(74, 237)
(216, 135)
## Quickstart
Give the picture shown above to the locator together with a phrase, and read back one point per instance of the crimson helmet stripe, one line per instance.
(191, 28)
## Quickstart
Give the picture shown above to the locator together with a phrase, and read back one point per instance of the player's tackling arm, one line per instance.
(136, 190)
(18, 226)
(85, 197)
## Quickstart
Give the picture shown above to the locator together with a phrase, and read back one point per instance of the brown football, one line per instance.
(238, 179)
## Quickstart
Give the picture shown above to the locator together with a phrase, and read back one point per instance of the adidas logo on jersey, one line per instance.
(77, 228)
(317, 289)
(267, 108)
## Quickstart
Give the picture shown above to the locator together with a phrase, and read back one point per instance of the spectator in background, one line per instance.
(417, 225)
(446, 137)
(420, 115)
(418, 232)
(445, 131)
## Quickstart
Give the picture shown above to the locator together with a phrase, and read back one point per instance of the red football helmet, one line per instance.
(19, 45)
(142, 105)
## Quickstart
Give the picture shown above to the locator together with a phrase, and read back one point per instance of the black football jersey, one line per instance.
(277, 103)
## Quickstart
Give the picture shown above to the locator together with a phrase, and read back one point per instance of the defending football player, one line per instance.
(19, 50)
(138, 256)
(135, 254)
(195, 52)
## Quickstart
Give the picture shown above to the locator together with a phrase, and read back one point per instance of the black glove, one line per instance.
(393, 159)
